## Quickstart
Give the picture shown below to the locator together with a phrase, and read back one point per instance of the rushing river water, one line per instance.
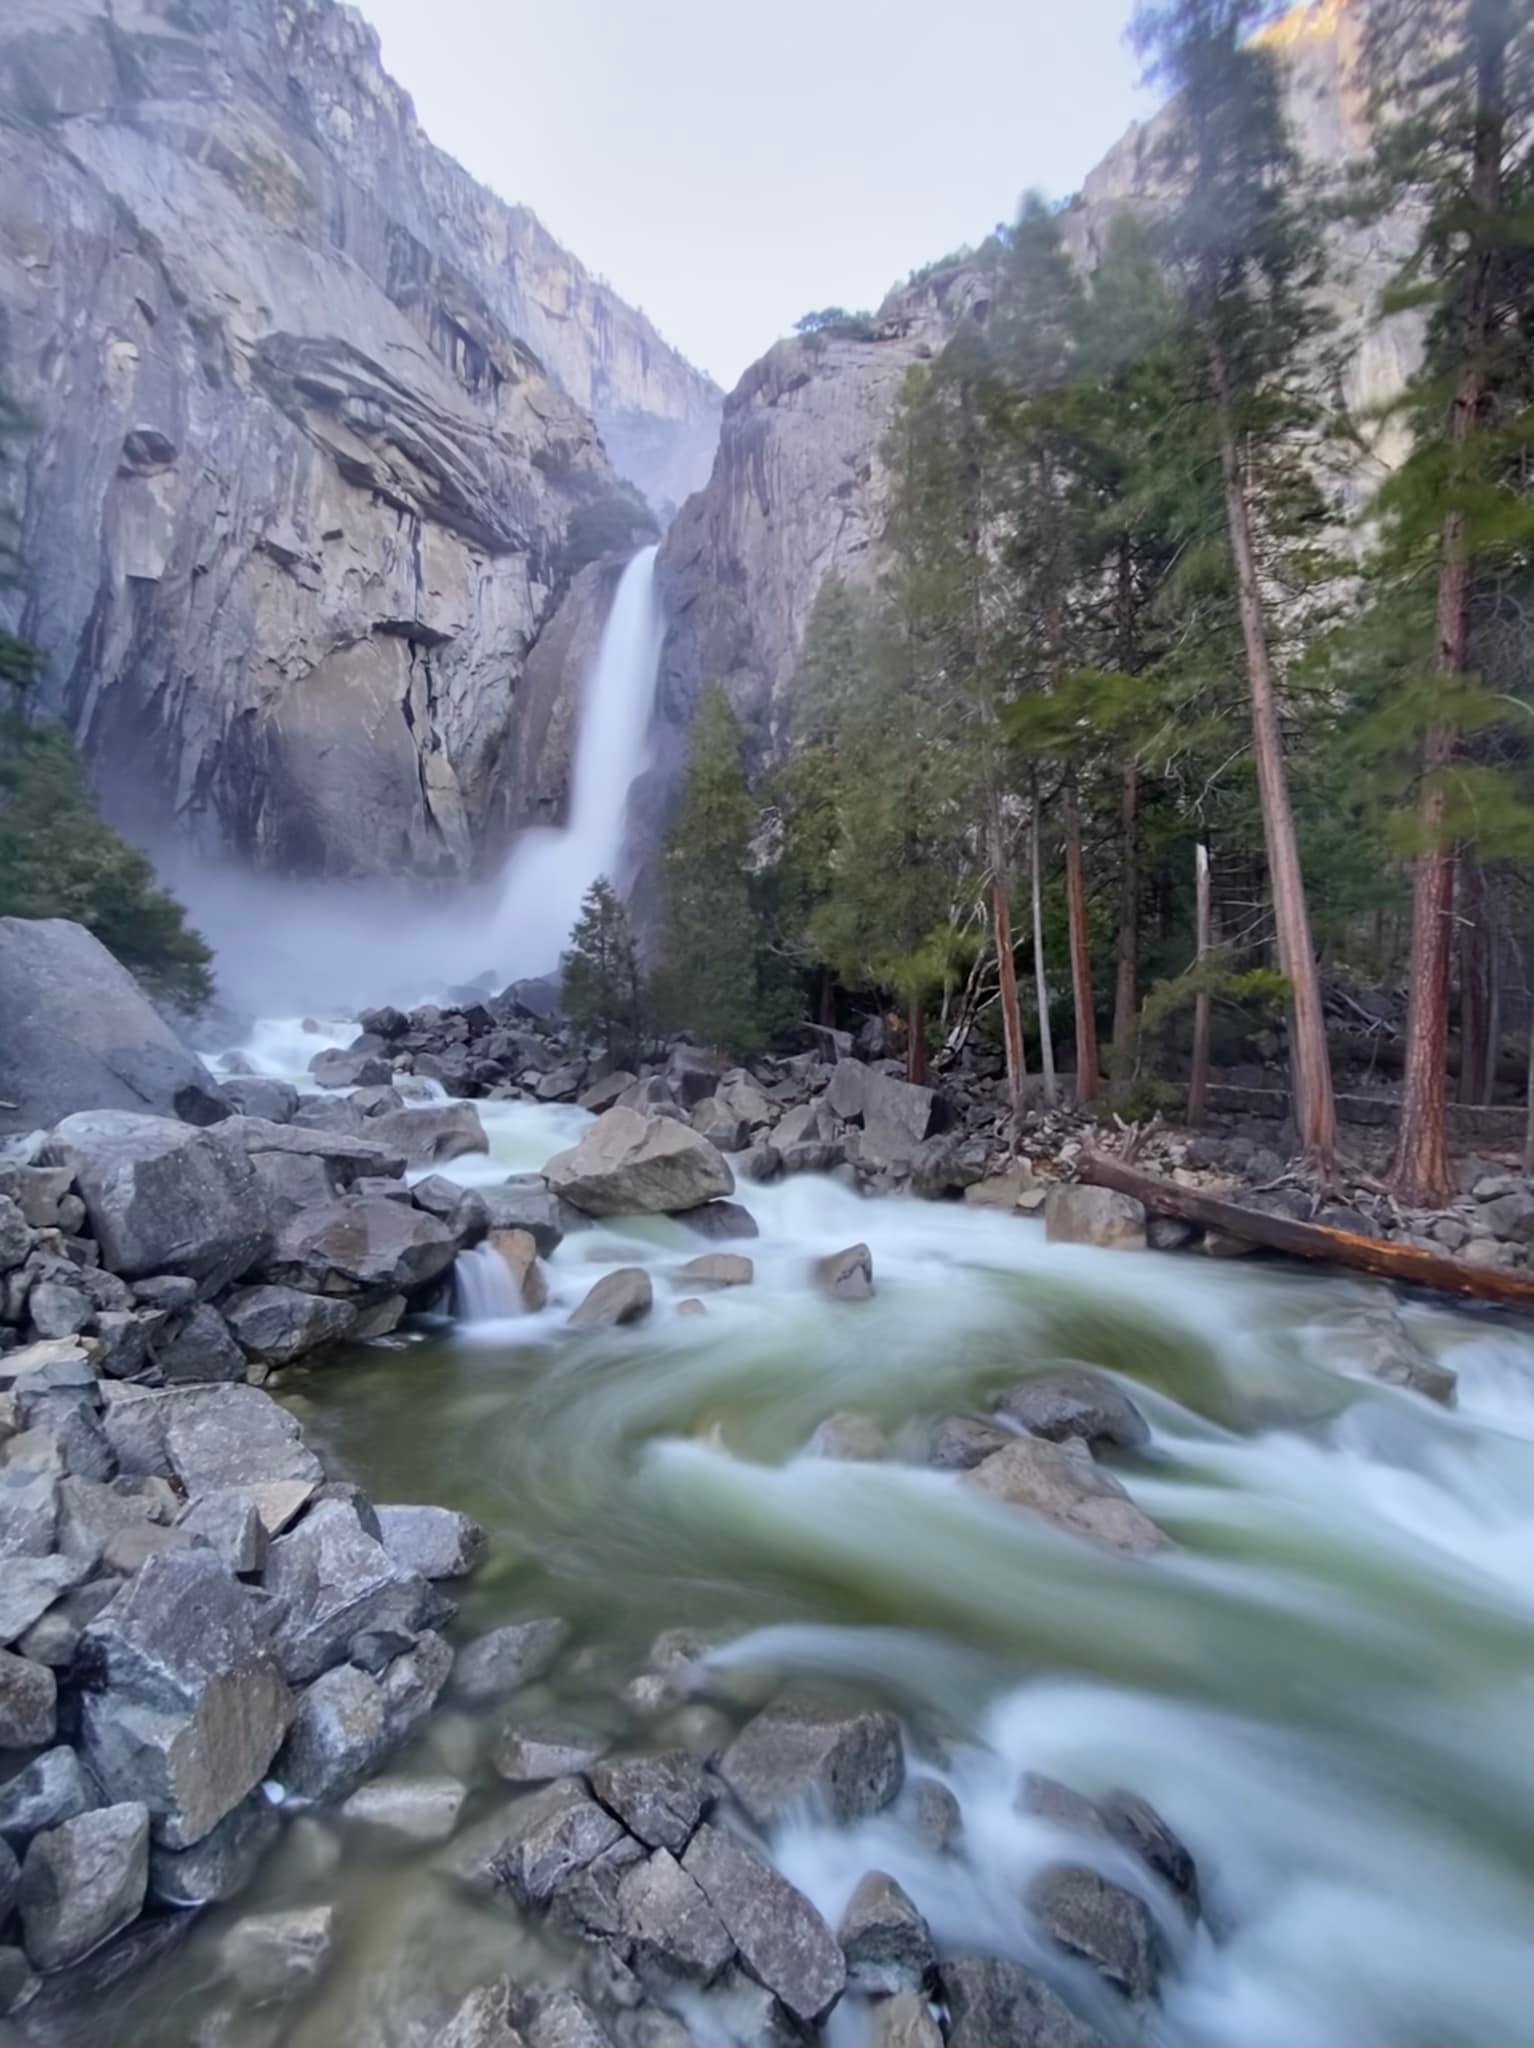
(1326, 1687)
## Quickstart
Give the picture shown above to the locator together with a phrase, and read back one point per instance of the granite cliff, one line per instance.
(320, 430)
(798, 491)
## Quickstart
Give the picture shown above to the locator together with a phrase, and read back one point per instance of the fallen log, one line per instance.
(1379, 1257)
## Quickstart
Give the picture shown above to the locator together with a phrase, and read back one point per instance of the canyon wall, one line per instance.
(315, 423)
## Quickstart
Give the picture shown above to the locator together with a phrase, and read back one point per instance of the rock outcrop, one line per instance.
(314, 436)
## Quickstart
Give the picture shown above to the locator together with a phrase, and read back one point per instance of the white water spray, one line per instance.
(550, 871)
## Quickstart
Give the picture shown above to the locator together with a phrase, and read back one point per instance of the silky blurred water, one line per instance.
(1325, 1687)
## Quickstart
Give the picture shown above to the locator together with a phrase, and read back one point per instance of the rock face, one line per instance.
(315, 418)
(77, 1032)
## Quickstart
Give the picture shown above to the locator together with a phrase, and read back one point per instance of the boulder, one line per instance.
(661, 1799)
(847, 1090)
(785, 1943)
(461, 1209)
(438, 1543)
(222, 1864)
(254, 1095)
(82, 1882)
(960, 1442)
(497, 1663)
(622, 1296)
(850, 1436)
(340, 1731)
(1100, 1923)
(35, 1193)
(49, 1790)
(226, 1436)
(1005, 1191)
(562, 2019)
(518, 1251)
(936, 1815)
(333, 1582)
(416, 1809)
(720, 1221)
(360, 1244)
(604, 1094)
(482, 2021)
(549, 1837)
(29, 1512)
(846, 1275)
(1380, 1344)
(1076, 1403)
(163, 1197)
(992, 2001)
(1100, 1216)
(30, 1585)
(665, 1916)
(897, 1117)
(628, 1163)
(526, 1202)
(850, 1764)
(54, 1640)
(943, 1168)
(562, 1084)
(1136, 1824)
(904, 2021)
(15, 1232)
(278, 1324)
(78, 1033)
(334, 1068)
(884, 1938)
(272, 1957)
(692, 1074)
(720, 1126)
(530, 1756)
(759, 1164)
(432, 1135)
(587, 1905)
(1060, 1484)
(58, 1309)
(28, 1702)
(230, 1524)
(714, 1270)
(741, 1096)
(185, 1705)
(196, 1346)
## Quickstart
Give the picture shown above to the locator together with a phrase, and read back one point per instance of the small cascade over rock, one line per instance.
(550, 871)
(484, 1287)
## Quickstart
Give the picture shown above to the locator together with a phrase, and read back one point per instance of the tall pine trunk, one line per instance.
(1198, 1079)
(1315, 1106)
(1421, 1172)
(1006, 967)
(1126, 994)
(1081, 950)
(1476, 1073)
(916, 1040)
(1040, 968)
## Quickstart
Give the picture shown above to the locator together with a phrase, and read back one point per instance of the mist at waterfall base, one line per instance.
(336, 947)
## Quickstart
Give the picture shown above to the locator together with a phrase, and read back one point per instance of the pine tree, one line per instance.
(1453, 90)
(601, 992)
(713, 978)
(1247, 257)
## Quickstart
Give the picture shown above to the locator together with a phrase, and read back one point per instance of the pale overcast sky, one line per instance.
(728, 166)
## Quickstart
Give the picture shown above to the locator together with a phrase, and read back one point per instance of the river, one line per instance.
(1325, 1686)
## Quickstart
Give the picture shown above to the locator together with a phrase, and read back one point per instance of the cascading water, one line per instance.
(550, 871)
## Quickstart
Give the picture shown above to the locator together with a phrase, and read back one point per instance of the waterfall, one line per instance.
(550, 871)
(483, 1288)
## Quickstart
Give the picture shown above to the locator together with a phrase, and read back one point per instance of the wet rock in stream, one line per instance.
(849, 1763)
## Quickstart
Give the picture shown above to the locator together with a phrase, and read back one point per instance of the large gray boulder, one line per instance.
(664, 1915)
(185, 1705)
(661, 1799)
(625, 1295)
(785, 1943)
(629, 1164)
(220, 1865)
(851, 1764)
(361, 1244)
(77, 1032)
(1100, 1923)
(163, 1197)
(1060, 1484)
(1100, 1216)
(51, 1789)
(505, 1658)
(219, 1436)
(1072, 1402)
(432, 1135)
(277, 1324)
(897, 1117)
(885, 1939)
(335, 1582)
(992, 2001)
(549, 1838)
(526, 1202)
(436, 1543)
(83, 1882)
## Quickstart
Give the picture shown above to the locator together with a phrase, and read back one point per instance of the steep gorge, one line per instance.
(317, 421)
